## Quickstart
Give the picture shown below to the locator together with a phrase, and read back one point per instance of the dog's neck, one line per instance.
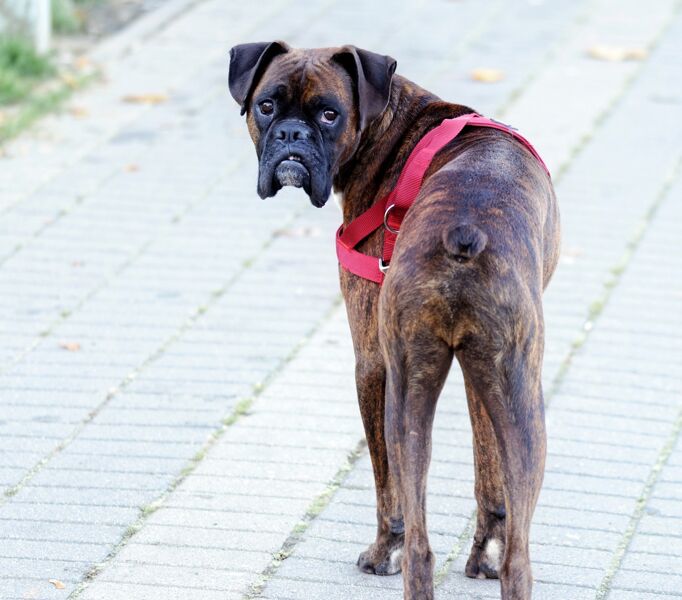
(387, 143)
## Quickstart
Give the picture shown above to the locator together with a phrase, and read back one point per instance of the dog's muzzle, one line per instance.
(291, 171)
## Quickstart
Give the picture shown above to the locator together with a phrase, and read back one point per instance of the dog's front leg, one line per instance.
(383, 556)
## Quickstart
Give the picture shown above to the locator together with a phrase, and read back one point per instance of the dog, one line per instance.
(472, 258)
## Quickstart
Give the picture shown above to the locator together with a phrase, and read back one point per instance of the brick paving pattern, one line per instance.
(176, 376)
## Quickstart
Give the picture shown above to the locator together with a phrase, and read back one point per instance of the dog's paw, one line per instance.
(382, 558)
(485, 560)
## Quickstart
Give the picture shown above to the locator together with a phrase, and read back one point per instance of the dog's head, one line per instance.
(306, 109)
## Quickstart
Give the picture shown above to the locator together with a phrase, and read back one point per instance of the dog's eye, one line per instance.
(329, 115)
(266, 107)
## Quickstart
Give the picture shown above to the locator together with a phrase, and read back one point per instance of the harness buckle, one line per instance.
(383, 267)
(387, 227)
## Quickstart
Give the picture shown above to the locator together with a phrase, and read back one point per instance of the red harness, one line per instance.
(390, 210)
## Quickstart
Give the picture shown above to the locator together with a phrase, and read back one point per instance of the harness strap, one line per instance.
(390, 210)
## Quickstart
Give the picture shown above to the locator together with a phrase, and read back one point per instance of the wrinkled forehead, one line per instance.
(307, 76)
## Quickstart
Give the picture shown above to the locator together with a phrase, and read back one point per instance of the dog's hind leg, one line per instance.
(487, 550)
(508, 382)
(417, 366)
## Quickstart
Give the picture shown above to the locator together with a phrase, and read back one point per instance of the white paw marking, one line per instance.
(394, 560)
(493, 553)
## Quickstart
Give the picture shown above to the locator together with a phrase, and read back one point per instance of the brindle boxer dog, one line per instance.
(473, 256)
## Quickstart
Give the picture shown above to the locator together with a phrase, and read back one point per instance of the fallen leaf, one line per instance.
(616, 53)
(82, 63)
(145, 98)
(79, 111)
(131, 168)
(68, 79)
(487, 75)
(70, 346)
(56, 583)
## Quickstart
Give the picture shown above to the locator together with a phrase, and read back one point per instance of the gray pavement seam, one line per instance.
(67, 313)
(240, 411)
(581, 18)
(627, 84)
(470, 36)
(80, 198)
(198, 312)
(311, 513)
(196, 315)
(603, 591)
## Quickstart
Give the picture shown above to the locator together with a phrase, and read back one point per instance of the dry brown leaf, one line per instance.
(132, 168)
(487, 75)
(79, 111)
(616, 53)
(145, 98)
(56, 583)
(70, 346)
(83, 63)
(68, 79)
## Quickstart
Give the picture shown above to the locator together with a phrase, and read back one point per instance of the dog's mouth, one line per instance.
(300, 169)
(292, 171)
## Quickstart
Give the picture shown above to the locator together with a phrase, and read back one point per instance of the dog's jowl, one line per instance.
(460, 274)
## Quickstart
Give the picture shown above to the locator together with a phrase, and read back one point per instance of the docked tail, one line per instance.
(464, 242)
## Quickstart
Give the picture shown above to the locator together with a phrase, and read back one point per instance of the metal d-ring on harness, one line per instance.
(403, 195)
(386, 225)
(382, 266)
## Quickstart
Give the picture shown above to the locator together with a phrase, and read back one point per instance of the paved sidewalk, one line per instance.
(178, 417)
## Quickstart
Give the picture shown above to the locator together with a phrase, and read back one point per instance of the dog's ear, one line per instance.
(247, 64)
(372, 74)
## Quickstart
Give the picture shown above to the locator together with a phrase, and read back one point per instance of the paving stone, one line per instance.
(124, 590)
(648, 582)
(622, 594)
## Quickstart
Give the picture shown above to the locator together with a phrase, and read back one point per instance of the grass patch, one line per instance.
(29, 83)
(37, 101)
(38, 105)
(21, 69)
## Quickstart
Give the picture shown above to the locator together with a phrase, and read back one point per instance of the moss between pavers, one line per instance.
(315, 508)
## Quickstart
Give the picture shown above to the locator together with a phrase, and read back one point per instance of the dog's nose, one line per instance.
(291, 131)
